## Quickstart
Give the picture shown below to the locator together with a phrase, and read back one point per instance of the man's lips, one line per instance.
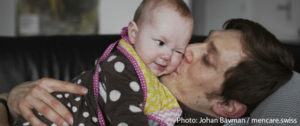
(176, 70)
(179, 68)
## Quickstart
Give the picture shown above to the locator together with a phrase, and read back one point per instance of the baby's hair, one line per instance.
(178, 5)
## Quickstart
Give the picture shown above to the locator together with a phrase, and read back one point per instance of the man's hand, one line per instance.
(3, 112)
(36, 94)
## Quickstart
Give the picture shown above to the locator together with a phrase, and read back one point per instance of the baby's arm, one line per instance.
(124, 95)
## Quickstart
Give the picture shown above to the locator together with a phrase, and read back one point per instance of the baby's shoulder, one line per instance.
(117, 62)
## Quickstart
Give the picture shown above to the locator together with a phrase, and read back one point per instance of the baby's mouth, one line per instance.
(160, 67)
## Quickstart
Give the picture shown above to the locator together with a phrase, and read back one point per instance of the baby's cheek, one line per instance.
(175, 62)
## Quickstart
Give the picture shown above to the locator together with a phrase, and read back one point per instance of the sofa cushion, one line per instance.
(60, 57)
(283, 104)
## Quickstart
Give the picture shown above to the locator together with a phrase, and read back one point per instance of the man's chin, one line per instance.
(167, 78)
(164, 79)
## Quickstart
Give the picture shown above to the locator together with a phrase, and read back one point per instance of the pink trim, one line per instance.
(96, 75)
(107, 51)
(96, 81)
(96, 87)
(168, 117)
(138, 71)
(124, 35)
(162, 123)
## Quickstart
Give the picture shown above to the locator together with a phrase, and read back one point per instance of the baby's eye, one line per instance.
(159, 42)
(179, 52)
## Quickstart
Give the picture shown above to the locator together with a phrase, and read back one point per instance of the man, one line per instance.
(232, 71)
(227, 75)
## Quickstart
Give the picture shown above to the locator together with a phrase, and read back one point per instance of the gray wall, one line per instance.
(7, 18)
(208, 15)
(281, 17)
(113, 14)
(198, 8)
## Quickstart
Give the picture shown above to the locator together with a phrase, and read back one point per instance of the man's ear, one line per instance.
(232, 109)
(132, 31)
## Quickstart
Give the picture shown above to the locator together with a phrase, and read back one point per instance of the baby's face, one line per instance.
(161, 40)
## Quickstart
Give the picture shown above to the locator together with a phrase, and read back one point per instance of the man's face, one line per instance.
(162, 38)
(202, 70)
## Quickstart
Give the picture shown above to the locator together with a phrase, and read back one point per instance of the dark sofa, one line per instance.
(61, 57)
(64, 57)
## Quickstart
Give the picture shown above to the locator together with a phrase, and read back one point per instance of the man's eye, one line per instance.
(205, 60)
(159, 43)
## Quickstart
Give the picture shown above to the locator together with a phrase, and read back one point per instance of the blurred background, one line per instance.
(92, 17)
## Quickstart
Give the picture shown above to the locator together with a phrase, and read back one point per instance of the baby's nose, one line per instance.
(167, 54)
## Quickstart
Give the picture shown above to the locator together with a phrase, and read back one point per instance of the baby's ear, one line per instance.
(132, 31)
(232, 109)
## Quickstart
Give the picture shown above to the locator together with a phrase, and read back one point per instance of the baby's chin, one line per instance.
(158, 73)
(163, 73)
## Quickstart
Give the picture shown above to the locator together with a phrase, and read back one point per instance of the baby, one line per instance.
(123, 87)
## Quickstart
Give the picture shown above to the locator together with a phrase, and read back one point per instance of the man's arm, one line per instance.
(36, 95)
(3, 111)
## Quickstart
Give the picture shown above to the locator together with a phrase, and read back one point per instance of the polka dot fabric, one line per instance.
(120, 93)
(120, 96)
(161, 106)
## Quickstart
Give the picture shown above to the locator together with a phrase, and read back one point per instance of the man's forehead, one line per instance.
(229, 32)
(228, 43)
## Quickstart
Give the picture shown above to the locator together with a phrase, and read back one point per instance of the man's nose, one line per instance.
(194, 51)
(188, 55)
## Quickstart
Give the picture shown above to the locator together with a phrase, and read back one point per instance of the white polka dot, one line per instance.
(104, 86)
(59, 96)
(114, 95)
(134, 86)
(26, 124)
(67, 95)
(95, 119)
(152, 123)
(111, 58)
(53, 124)
(40, 114)
(77, 99)
(81, 124)
(108, 118)
(99, 69)
(134, 108)
(119, 67)
(102, 92)
(104, 79)
(74, 109)
(122, 124)
(85, 114)
(69, 104)
(96, 61)
(78, 81)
